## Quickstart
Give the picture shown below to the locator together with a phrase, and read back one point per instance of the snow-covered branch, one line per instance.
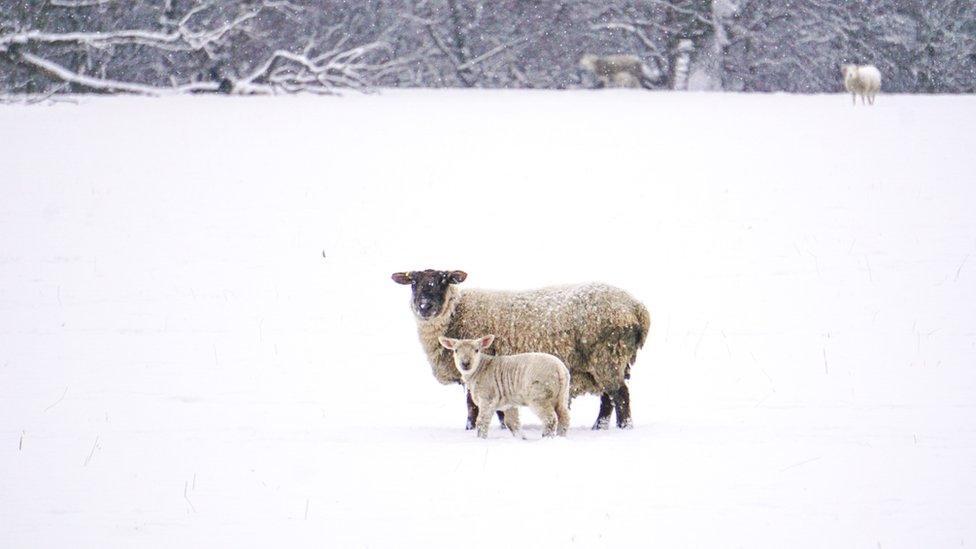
(184, 38)
(103, 84)
(289, 72)
(205, 31)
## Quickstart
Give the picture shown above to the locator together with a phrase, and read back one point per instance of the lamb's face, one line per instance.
(429, 289)
(467, 352)
(848, 71)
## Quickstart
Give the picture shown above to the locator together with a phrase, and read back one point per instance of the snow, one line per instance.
(200, 345)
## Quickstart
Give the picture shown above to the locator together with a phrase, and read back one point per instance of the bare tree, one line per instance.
(178, 47)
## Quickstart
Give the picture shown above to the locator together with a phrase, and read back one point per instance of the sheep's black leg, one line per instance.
(603, 419)
(472, 414)
(501, 418)
(621, 402)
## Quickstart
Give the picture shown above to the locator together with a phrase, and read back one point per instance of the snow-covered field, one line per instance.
(200, 344)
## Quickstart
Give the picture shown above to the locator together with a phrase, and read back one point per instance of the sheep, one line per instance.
(595, 329)
(618, 71)
(537, 380)
(863, 80)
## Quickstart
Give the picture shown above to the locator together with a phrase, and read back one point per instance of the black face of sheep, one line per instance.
(429, 288)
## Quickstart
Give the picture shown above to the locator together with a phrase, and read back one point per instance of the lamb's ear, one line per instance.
(447, 342)
(457, 277)
(486, 341)
(402, 278)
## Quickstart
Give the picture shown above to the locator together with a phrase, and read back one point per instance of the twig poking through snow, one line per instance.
(811, 460)
(868, 264)
(56, 402)
(187, 498)
(827, 372)
(92, 453)
(306, 509)
(960, 266)
(20, 446)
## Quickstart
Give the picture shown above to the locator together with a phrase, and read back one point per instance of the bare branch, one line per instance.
(78, 3)
(492, 52)
(67, 75)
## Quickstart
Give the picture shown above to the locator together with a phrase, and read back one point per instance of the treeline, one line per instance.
(272, 46)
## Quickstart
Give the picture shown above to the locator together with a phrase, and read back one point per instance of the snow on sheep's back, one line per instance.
(200, 344)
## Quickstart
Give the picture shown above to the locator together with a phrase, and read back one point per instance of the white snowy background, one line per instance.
(200, 344)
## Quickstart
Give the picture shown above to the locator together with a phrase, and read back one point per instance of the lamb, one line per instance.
(863, 80)
(502, 383)
(595, 329)
(618, 71)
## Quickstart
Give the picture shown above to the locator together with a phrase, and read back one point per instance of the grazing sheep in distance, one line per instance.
(863, 80)
(618, 71)
(504, 382)
(595, 329)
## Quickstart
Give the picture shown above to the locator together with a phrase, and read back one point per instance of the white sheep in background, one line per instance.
(505, 382)
(619, 71)
(863, 80)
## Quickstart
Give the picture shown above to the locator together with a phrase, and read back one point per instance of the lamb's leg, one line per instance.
(562, 416)
(513, 423)
(485, 414)
(853, 99)
(603, 418)
(621, 402)
(472, 413)
(547, 414)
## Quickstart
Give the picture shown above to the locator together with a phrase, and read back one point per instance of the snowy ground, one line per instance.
(200, 344)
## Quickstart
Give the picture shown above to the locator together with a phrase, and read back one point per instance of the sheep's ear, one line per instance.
(457, 277)
(486, 341)
(447, 342)
(402, 278)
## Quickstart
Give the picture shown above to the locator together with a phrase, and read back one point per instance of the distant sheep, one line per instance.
(505, 382)
(595, 329)
(863, 80)
(618, 71)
